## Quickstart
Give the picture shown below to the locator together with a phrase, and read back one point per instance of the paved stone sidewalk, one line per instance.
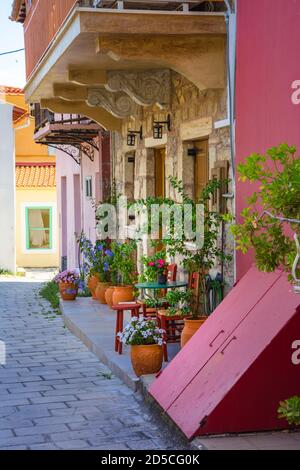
(55, 394)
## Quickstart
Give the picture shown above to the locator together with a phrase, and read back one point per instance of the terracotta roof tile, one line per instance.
(10, 90)
(37, 175)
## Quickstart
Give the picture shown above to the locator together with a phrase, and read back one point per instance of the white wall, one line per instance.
(7, 189)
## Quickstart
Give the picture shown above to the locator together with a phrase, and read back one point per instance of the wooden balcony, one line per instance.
(45, 18)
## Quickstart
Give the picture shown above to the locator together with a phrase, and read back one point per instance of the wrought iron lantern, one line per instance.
(158, 127)
(131, 136)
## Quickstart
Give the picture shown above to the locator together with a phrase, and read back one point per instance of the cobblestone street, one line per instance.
(55, 394)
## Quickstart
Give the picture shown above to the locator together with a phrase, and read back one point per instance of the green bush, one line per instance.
(290, 410)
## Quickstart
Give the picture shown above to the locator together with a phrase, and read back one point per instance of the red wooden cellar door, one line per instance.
(254, 341)
(211, 336)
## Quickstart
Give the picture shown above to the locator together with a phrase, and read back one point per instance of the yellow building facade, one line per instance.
(36, 233)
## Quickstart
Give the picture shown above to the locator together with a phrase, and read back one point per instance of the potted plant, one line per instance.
(68, 282)
(146, 341)
(178, 303)
(103, 262)
(96, 265)
(123, 271)
(86, 248)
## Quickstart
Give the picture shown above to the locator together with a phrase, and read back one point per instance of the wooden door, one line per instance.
(201, 167)
(211, 336)
(249, 357)
(160, 173)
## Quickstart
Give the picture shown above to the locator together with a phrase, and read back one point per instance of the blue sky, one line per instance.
(12, 67)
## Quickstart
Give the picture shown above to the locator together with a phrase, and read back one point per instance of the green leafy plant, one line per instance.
(290, 410)
(275, 203)
(123, 266)
(179, 302)
(204, 258)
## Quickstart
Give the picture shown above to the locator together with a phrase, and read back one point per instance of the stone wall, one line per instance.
(193, 114)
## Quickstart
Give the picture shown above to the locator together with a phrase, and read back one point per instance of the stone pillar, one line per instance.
(7, 190)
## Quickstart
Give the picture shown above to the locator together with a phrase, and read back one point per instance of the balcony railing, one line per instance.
(71, 133)
(44, 19)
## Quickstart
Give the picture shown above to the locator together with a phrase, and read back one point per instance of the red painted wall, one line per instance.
(268, 38)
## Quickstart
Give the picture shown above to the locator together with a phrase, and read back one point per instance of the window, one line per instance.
(88, 187)
(39, 228)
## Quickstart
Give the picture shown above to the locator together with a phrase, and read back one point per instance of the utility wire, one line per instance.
(11, 52)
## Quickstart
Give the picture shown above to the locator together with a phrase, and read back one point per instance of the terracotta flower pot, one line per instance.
(68, 290)
(109, 295)
(122, 294)
(190, 328)
(146, 359)
(92, 285)
(100, 291)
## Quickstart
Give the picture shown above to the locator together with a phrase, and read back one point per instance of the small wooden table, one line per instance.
(134, 309)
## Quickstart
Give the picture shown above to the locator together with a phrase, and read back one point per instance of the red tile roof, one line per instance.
(10, 90)
(35, 175)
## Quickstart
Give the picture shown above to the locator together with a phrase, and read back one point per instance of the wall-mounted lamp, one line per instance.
(158, 127)
(192, 152)
(131, 136)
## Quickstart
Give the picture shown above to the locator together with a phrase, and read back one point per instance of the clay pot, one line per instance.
(100, 291)
(122, 294)
(68, 290)
(146, 359)
(109, 296)
(92, 285)
(190, 328)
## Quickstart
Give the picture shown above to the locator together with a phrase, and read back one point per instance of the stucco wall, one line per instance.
(35, 258)
(82, 206)
(7, 189)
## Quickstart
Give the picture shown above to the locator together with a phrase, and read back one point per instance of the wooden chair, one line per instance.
(174, 325)
(134, 309)
(171, 277)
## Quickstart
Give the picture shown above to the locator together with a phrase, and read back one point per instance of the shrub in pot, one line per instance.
(146, 341)
(68, 282)
(155, 268)
(205, 255)
(123, 271)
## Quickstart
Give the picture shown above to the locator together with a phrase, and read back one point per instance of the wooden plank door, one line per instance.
(160, 172)
(201, 167)
(193, 408)
(211, 336)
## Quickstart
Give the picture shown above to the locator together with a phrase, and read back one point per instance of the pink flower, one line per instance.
(151, 263)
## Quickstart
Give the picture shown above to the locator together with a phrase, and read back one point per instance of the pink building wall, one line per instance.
(79, 210)
(268, 37)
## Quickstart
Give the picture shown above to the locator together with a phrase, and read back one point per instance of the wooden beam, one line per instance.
(87, 77)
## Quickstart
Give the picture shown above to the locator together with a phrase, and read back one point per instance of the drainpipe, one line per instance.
(230, 19)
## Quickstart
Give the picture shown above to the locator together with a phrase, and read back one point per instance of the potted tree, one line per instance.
(146, 341)
(201, 259)
(68, 282)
